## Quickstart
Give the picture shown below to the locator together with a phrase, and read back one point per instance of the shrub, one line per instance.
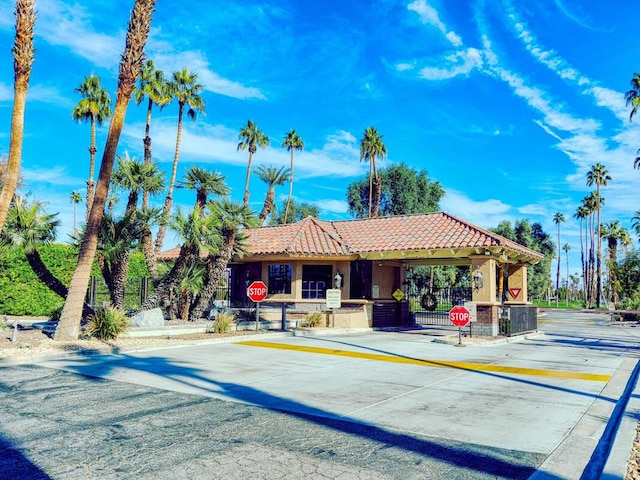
(3, 324)
(222, 323)
(314, 319)
(107, 323)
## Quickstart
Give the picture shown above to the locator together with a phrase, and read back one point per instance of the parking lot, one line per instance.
(355, 405)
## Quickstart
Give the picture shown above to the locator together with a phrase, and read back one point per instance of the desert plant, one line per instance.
(107, 323)
(314, 319)
(222, 323)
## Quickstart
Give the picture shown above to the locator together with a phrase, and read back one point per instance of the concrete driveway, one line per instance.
(558, 405)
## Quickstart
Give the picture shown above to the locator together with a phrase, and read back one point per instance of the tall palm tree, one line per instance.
(184, 88)
(251, 137)
(153, 86)
(273, 177)
(566, 249)
(291, 142)
(68, 327)
(589, 203)
(599, 176)
(231, 219)
(558, 218)
(23, 55)
(372, 147)
(75, 198)
(581, 215)
(95, 108)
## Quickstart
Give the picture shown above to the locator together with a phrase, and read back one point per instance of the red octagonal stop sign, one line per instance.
(257, 291)
(459, 316)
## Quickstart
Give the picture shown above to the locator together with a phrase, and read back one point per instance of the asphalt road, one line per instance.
(381, 405)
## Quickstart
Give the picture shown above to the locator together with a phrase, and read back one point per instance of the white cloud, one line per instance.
(70, 26)
(6, 93)
(429, 15)
(462, 62)
(168, 60)
(487, 214)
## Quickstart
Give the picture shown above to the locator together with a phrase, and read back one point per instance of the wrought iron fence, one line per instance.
(431, 307)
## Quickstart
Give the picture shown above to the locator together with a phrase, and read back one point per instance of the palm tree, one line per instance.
(291, 142)
(599, 176)
(372, 147)
(75, 198)
(199, 234)
(137, 34)
(30, 227)
(251, 137)
(273, 177)
(95, 108)
(558, 218)
(581, 215)
(566, 249)
(633, 96)
(204, 182)
(23, 55)
(183, 87)
(153, 86)
(231, 219)
(614, 233)
(135, 177)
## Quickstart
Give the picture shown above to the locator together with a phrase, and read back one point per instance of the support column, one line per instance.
(485, 296)
(517, 281)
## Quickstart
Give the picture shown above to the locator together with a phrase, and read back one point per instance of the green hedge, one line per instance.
(21, 293)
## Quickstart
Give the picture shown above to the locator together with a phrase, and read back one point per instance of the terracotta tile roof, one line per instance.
(307, 237)
(432, 231)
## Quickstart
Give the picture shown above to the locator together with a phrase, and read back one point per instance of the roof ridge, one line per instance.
(333, 233)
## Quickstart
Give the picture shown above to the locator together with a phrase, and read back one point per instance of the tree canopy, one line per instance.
(404, 191)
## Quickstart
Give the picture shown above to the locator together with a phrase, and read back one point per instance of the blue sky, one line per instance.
(506, 103)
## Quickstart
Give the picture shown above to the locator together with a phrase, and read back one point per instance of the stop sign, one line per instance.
(459, 316)
(257, 291)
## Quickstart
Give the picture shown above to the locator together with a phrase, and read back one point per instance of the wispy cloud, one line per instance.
(488, 213)
(430, 16)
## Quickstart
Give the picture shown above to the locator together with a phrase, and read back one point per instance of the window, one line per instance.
(315, 280)
(280, 278)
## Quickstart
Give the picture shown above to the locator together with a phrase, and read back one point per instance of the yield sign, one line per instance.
(515, 292)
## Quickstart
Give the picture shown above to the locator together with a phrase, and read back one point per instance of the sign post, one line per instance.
(459, 316)
(257, 292)
(334, 300)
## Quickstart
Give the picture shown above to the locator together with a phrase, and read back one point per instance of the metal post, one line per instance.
(257, 315)
(459, 335)
(284, 316)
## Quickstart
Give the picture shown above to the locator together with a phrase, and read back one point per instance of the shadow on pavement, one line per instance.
(13, 464)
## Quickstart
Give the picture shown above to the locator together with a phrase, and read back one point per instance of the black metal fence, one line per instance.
(515, 319)
(432, 307)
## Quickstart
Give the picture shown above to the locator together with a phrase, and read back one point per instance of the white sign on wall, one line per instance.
(334, 298)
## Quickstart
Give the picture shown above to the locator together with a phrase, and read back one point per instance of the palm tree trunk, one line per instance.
(558, 270)
(119, 272)
(216, 266)
(173, 277)
(268, 205)
(370, 184)
(168, 201)
(245, 200)
(147, 149)
(92, 167)
(149, 253)
(599, 259)
(69, 325)
(286, 210)
(23, 53)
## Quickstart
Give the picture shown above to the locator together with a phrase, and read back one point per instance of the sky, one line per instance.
(506, 103)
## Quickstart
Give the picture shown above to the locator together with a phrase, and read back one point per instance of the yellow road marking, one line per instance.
(594, 377)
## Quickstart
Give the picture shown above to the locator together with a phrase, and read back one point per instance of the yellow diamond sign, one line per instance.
(398, 294)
